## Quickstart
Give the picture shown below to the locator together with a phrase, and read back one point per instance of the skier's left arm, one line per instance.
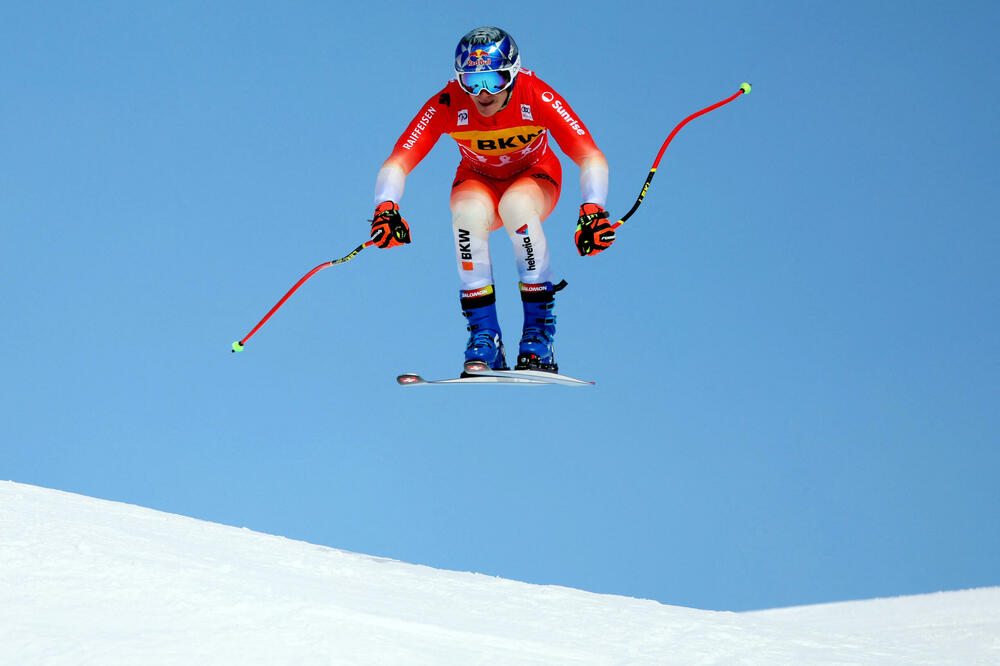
(593, 230)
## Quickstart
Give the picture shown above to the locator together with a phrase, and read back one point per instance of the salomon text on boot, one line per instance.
(480, 310)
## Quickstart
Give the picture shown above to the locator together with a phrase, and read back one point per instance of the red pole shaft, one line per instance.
(238, 346)
(283, 299)
(652, 171)
(684, 122)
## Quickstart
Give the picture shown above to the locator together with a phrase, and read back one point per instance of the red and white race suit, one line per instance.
(501, 155)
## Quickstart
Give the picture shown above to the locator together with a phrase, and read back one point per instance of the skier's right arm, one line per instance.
(389, 229)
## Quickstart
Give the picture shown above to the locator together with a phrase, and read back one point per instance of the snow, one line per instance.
(87, 581)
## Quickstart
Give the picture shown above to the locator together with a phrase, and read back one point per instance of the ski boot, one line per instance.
(536, 349)
(480, 309)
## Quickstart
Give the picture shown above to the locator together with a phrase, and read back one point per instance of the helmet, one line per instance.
(486, 59)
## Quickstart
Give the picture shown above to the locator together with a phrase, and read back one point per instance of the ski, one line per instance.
(480, 373)
(412, 379)
(480, 369)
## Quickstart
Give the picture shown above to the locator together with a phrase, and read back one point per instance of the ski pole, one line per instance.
(238, 345)
(744, 89)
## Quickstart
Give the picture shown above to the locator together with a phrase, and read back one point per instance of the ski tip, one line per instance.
(409, 379)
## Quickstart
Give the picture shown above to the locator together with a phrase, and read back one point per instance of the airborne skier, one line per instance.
(501, 116)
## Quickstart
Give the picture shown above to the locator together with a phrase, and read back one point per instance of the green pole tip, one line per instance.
(745, 88)
(237, 347)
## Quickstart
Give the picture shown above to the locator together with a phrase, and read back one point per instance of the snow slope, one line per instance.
(86, 581)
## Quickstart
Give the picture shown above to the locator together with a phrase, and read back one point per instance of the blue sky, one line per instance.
(794, 339)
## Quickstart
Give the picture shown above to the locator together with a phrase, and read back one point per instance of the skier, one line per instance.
(501, 116)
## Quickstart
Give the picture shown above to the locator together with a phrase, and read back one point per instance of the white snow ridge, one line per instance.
(86, 581)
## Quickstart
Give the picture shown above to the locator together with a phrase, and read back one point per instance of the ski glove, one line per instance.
(388, 228)
(593, 231)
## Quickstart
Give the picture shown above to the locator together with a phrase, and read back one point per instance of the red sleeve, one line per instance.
(563, 124)
(421, 134)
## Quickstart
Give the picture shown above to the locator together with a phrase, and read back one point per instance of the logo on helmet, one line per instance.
(486, 48)
(479, 58)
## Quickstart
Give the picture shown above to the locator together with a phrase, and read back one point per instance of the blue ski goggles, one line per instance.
(493, 81)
